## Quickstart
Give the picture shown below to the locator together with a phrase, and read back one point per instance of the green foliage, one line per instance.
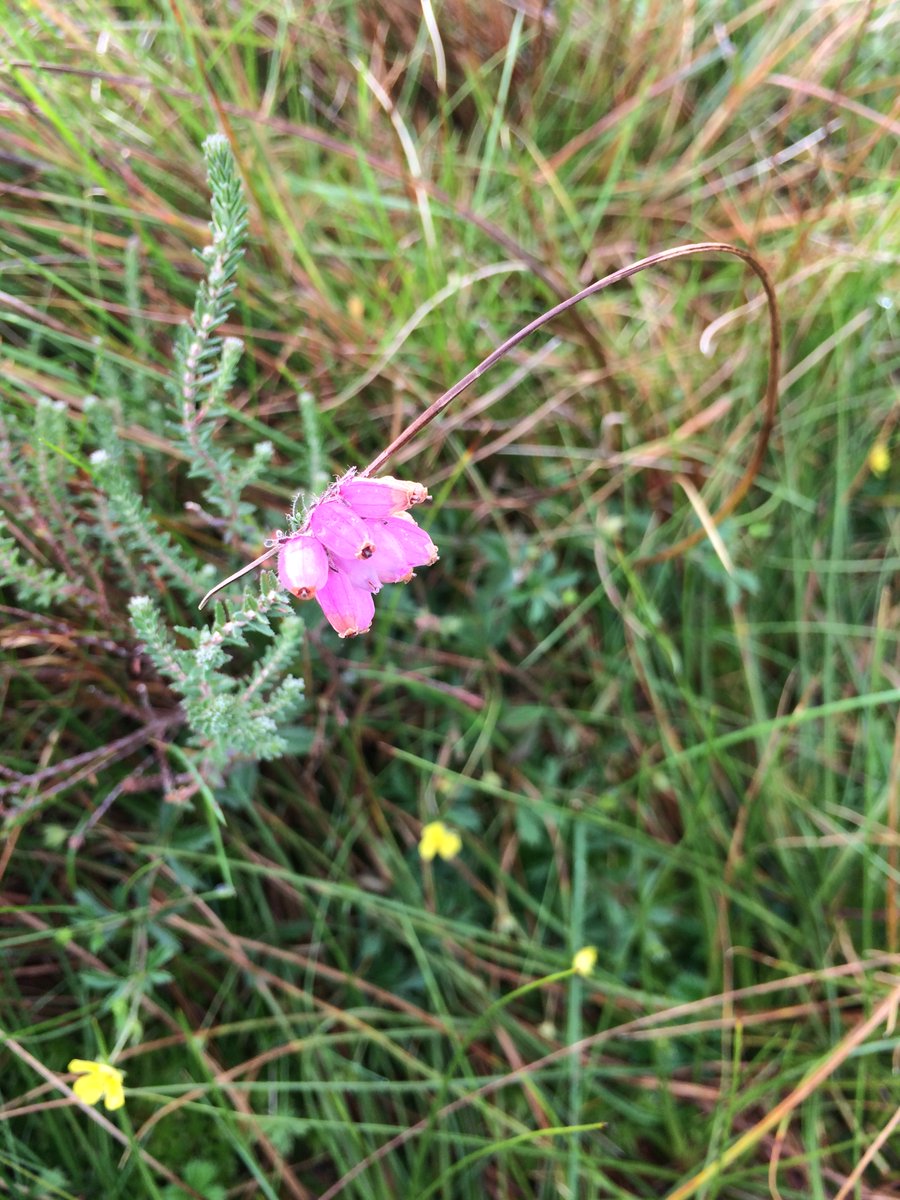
(229, 716)
(31, 583)
(206, 365)
(107, 539)
(202, 1177)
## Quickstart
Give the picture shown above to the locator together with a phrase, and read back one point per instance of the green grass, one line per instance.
(694, 769)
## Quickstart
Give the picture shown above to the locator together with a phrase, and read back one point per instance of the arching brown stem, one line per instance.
(769, 402)
(257, 562)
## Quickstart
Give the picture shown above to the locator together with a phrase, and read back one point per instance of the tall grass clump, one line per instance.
(328, 905)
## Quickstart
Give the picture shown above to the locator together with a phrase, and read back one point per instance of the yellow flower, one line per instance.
(585, 960)
(438, 839)
(98, 1081)
(879, 459)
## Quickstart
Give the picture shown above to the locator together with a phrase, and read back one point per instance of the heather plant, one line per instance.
(576, 873)
(98, 539)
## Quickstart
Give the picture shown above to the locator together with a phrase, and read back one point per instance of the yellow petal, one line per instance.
(585, 960)
(111, 1076)
(115, 1096)
(451, 844)
(438, 839)
(80, 1065)
(428, 843)
(879, 459)
(89, 1088)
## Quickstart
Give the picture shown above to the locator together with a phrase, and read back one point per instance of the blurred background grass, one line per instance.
(692, 766)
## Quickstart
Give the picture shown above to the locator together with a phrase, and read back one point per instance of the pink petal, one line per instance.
(382, 497)
(302, 566)
(388, 558)
(361, 572)
(349, 609)
(418, 548)
(340, 530)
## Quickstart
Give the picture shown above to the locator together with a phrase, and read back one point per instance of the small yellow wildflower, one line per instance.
(437, 839)
(585, 960)
(879, 459)
(97, 1081)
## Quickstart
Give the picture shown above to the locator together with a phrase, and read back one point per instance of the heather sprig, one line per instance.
(31, 582)
(47, 553)
(135, 525)
(230, 717)
(206, 364)
(199, 362)
(84, 528)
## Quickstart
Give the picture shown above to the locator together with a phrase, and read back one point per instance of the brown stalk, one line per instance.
(885, 1013)
(858, 1035)
(113, 1131)
(769, 402)
(333, 145)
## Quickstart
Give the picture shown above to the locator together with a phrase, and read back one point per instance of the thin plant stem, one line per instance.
(769, 402)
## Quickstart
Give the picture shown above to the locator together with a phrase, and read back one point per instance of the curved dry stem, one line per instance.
(768, 404)
(239, 574)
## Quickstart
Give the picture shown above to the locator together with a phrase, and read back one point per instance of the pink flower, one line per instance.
(302, 566)
(339, 529)
(349, 608)
(357, 536)
(415, 543)
(389, 558)
(381, 497)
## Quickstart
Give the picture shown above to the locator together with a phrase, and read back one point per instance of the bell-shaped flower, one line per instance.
(418, 548)
(362, 572)
(381, 497)
(388, 560)
(340, 530)
(357, 536)
(348, 609)
(302, 566)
